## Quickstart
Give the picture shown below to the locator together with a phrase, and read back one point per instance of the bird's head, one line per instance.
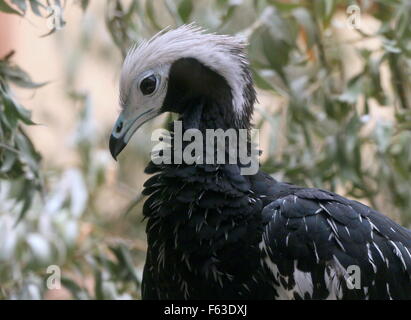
(169, 71)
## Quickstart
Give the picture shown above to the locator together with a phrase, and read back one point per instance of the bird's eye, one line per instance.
(148, 85)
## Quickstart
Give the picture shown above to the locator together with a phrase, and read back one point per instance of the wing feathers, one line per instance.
(313, 234)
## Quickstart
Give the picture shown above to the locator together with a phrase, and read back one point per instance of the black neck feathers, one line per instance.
(192, 84)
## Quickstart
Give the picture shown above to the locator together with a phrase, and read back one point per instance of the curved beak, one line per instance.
(126, 126)
(116, 145)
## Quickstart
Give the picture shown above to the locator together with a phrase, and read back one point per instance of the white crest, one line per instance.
(221, 53)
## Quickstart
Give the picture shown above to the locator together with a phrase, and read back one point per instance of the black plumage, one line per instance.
(216, 234)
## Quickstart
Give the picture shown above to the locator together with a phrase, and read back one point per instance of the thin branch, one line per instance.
(398, 80)
(3, 145)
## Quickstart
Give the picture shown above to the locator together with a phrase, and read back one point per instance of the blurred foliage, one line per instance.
(46, 9)
(333, 122)
(19, 159)
(48, 216)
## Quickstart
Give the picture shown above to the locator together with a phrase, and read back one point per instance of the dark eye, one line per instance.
(148, 85)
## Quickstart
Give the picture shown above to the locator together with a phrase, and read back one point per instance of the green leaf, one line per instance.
(276, 52)
(35, 7)
(76, 291)
(8, 9)
(84, 4)
(261, 82)
(282, 6)
(18, 111)
(21, 4)
(8, 159)
(303, 17)
(19, 77)
(353, 91)
(124, 258)
(185, 9)
(391, 46)
(98, 285)
(324, 10)
(228, 15)
(151, 15)
(26, 197)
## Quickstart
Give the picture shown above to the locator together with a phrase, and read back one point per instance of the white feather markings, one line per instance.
(379, 250)
(316, 253)
(388, 291)
(333, 279)
(398, 253)
(371, 259)
(303, 281)
(406, 249)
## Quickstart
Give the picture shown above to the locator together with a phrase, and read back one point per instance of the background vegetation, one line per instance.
(335, 113)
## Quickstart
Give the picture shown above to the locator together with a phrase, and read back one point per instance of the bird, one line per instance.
(215, 233)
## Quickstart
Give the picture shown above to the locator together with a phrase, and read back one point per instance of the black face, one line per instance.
(148, 85)
(190, 80)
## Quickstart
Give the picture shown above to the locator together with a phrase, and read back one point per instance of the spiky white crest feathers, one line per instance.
(221, 53)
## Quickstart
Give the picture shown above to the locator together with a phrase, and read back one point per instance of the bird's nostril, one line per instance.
(119, 127)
